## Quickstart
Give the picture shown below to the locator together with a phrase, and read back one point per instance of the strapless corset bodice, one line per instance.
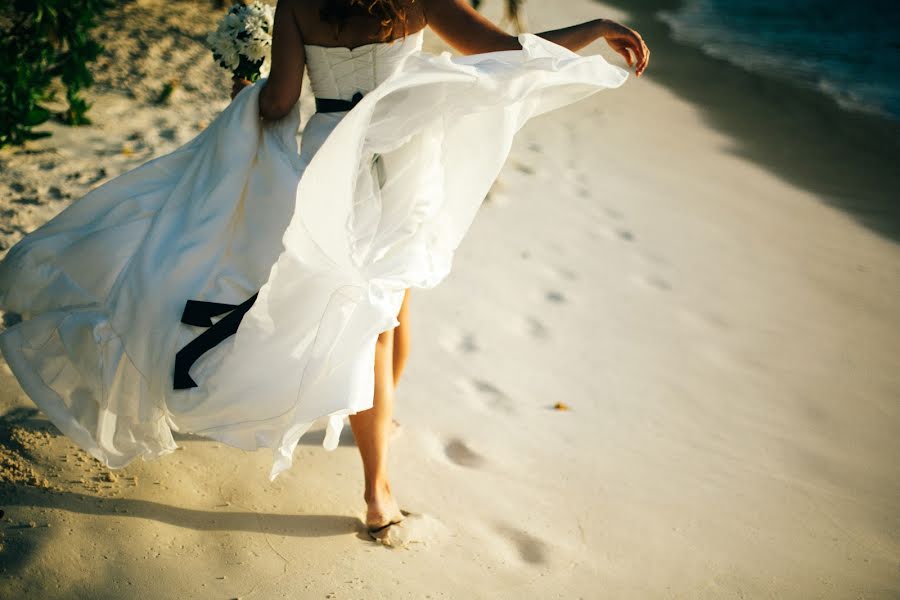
(340, 72)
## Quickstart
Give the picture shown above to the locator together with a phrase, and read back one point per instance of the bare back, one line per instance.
(298, 23)
(359, 30)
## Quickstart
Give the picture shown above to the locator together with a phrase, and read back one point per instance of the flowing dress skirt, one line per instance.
(327, 239)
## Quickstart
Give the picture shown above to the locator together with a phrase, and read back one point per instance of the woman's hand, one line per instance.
(628, 43)
(237, 84)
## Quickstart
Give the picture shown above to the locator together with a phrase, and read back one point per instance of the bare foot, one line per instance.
(415, 528)
(382, 510)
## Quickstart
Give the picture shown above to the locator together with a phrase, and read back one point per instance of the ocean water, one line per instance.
(848, 50)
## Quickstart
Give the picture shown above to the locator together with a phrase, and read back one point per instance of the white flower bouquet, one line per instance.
(242, 43)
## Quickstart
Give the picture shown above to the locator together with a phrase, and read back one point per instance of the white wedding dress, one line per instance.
(376, 201)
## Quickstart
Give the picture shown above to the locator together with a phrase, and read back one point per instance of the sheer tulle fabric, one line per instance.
(377, 201)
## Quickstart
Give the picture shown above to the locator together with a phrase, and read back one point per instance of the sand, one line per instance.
(664, 366)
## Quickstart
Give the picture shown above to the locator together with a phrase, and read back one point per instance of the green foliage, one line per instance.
(40, 41)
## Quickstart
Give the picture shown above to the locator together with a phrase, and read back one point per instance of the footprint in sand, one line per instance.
(652, 281)
(652, 262)
(531, 550)
(612, 213)
(555, 296)
(468, 344)
(558, 272)
(416, 528)
(537, 329)
(458, 341)
(567, 274)
(488, 395)
(626, 235)
(459, 453)
(524, 169)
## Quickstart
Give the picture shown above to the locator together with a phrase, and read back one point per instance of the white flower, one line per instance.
(233, 21)
(245, 32)
(255, 52)
(255, 26)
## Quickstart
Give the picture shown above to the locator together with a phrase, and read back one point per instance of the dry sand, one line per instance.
(724, 333)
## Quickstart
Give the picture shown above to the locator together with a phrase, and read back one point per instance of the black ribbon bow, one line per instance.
(199, 313)
(326, 105)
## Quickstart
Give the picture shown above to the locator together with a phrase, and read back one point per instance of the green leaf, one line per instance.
(52, 40)
(36, 116)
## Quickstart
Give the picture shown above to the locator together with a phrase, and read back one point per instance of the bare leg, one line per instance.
(401, 339)
(370, 428)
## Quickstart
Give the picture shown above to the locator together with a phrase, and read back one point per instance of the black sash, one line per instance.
(328, 105)
(200, 313)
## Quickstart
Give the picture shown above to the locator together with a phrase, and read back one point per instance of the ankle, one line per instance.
(377, 491)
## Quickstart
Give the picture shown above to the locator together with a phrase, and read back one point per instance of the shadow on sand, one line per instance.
(307, 526)
(19, 550)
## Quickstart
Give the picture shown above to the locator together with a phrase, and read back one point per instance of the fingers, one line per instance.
(643, 53)
(643, 65)
(238, 83)
(624, 51)
(639, 60)
(630, 45)
(636, 45)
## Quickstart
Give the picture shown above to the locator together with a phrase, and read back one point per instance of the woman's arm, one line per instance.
(469, 32)
(282, 88)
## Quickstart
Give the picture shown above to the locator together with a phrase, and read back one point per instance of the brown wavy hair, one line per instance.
(390, 14)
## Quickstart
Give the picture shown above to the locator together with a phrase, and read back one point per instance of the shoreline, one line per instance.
(802, 135)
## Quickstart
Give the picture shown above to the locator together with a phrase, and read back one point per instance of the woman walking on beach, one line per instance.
(242, 290)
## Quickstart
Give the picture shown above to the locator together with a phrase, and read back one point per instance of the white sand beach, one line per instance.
(725, 339)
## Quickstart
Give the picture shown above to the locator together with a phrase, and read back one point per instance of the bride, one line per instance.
(305, 259)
